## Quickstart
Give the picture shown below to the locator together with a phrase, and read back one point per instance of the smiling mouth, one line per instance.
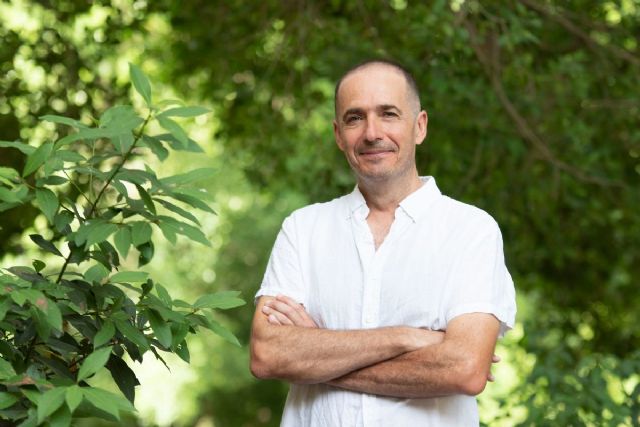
(375, 152)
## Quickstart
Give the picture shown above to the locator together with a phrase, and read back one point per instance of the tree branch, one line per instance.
(487, 51)
(579, 33)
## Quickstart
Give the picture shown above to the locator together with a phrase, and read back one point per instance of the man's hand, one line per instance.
(285, 311)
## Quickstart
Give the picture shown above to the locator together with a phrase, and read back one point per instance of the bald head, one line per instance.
(412, 91)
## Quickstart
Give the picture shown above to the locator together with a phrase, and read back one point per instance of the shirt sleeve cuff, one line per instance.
(506, 317)
(273, 291)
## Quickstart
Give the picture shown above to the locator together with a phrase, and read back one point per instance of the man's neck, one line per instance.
(384, 196)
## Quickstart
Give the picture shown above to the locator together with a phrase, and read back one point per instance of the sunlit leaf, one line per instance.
(104, 335)
(140, 82)
(184, 112)
(50, 401)
(129, 276)
(37, 158)
(74, 397)
(94, 362)
(24, 148)
(47, 202)
(122, 240)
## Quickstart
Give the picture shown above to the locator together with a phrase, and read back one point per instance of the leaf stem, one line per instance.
(92, 209)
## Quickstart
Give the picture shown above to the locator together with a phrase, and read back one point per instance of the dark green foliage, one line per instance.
(60, 326)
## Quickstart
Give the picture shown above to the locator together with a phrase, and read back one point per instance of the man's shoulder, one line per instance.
(321, 210)
(465, 216)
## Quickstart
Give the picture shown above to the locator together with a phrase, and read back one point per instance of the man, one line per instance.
(382, 307)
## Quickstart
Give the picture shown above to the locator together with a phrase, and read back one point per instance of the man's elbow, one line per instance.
(472, 378)
(261, 364)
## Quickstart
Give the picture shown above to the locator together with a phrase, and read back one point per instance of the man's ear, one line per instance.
(336, 135)
(421, 126)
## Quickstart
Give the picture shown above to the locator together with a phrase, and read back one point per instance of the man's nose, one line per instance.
(373, 130)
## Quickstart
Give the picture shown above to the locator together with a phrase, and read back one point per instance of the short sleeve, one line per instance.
(479, 281)
(283, 274)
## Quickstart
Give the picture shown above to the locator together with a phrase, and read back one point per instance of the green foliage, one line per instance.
(79, 313)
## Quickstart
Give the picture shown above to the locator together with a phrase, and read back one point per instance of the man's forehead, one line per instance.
(373, 80)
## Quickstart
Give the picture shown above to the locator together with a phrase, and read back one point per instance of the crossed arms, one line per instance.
(396, 361)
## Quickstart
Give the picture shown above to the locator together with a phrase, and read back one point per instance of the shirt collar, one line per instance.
(414, 205)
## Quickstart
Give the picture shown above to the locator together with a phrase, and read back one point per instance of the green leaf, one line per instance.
(223, 332)
(140, 233)
(133, 334)
(193, 201)
(38, 265)
(104, 335)
(74, 397)
(168, 232)
(176, 209)
(37, 158)
(89, 134)
(63, 120)
(129, 276)
(49, 402)
(5, 305)
(148, 202)
(44, 244)
(221, 300)
(161, 329)
(122, 240)
(24, 148)
(96, 273)
(140, 82)
(60, 418)
(6, 369)
(107, 401)
(156, 147)
(9, 196)
(51, 311)
(123, 376)
(9, 173)
(51, 180)
(184, 112)
(182, 350)
(163, 295)
(100, 233)
(192, 233)
(62, 219)
(177, 145)
(175, 129)
(189, 177)
(7, 399)
(94, 362)
(120, 119)
(47, 202)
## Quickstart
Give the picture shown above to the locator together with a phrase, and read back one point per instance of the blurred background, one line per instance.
(534, 113)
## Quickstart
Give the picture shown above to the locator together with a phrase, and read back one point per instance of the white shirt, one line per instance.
(441, 258)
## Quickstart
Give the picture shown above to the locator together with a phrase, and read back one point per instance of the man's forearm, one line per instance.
(312, 355)
(459, 365)
(304, 355)
(426, 372)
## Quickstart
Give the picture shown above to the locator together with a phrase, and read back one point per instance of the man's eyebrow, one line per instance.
(386, 107)
(352, 111)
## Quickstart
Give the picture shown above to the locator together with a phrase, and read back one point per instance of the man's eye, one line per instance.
(352, 119)
(389, 114)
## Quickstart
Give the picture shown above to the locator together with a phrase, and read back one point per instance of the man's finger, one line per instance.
(496, 358)
(302, 318)
(273, 320)
(285, 309)
(280, 317)
(490, 377)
